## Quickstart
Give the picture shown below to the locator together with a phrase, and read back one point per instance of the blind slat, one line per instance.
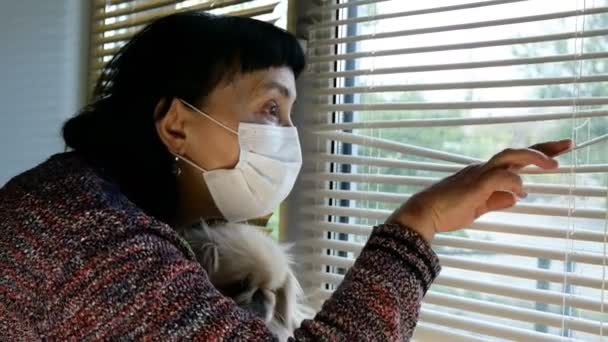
(521, 250)
(462, 65)
(478, 245)
(404, 148)
(132, 7)
(343, 5)
(375, 214)
(146, 18)
(460, 46)
(120, 37)
(424, 166)
(537, 188)
(534, 295)
(397, 147)
(488, 120)
(440, 9)
(148, 5)
(461, 85)
(543, 103)
(538, 231)
(479, 225)
(103, 3)
(505, 290)
(509, 312)
(522, 272)
(448, 261)
(456, 27)
(484, 327)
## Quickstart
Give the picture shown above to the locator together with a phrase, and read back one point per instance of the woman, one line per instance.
(191, 119)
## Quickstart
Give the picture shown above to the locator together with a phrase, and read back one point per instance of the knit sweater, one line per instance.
(79, 261)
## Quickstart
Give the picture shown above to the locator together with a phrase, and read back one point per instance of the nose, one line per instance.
(287, 122)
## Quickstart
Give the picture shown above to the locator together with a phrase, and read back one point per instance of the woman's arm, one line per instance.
(116, 275)
(139, 284)
(380, 296)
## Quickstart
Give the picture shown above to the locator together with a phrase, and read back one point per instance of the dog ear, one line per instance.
(287, 301)
(208, 256)
(203, 246)
(291, 308)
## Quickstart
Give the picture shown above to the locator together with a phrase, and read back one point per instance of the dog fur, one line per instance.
(253, 269)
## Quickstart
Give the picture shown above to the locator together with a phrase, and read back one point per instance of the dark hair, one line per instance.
(182, 56)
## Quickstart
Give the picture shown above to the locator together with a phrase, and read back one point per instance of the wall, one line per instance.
(43, 54)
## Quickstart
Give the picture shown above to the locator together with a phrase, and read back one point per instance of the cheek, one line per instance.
(215, 148)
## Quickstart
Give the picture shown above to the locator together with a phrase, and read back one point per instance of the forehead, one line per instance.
(279, 79)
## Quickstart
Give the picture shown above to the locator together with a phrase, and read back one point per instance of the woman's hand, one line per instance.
(458, 200)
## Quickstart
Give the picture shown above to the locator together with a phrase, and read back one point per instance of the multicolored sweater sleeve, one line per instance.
(379, 298)
(79, 263)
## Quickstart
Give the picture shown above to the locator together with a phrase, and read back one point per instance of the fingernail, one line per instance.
(569, 141)
(523, 195)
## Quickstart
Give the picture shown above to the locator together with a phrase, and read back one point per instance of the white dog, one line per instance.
(253, 269)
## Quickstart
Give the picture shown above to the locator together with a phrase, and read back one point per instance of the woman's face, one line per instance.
(262, 97)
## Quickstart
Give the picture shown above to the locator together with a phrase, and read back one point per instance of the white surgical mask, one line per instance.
(269, 162)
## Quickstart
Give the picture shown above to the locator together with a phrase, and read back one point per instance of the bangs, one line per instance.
(256, 45)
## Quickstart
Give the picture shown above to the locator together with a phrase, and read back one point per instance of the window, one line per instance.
(403, 93)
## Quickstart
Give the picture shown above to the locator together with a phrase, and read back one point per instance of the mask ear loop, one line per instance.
(209, 117)
(177, 171)
(191, 163)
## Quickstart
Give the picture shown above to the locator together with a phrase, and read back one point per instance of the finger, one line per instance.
(551, 148)
(518, 158)
(502, 180)
(554, 148)
(500, 200)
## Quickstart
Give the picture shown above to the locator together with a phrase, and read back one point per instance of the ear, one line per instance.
(208, 256)
(204, 247)
(290, 307)
(286, 302)
(170, 125)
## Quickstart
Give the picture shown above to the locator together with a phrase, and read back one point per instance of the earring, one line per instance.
(176, 169)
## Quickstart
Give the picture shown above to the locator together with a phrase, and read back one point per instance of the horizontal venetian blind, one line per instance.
(404, 93)
(116, 21)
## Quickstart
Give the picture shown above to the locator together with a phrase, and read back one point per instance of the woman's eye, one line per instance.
(272, 109)
(269, 114)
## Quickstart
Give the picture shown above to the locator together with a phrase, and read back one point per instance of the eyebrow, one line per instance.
(278, 86)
